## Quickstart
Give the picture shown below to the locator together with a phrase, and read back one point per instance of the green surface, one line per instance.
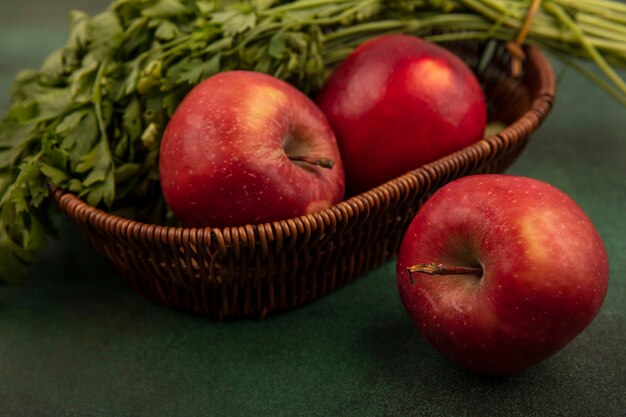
(75, 340)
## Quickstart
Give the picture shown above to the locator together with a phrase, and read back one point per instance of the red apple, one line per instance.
(519, 271)
(398, 102)
(246, 148)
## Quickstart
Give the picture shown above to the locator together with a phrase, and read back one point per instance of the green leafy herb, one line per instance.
(91, 118)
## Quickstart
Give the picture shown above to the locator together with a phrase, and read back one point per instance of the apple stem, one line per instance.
(439, 269)
(321, 162)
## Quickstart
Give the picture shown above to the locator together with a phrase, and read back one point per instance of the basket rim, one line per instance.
(540, 105)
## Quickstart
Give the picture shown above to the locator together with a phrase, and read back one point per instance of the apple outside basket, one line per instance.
(256, 270)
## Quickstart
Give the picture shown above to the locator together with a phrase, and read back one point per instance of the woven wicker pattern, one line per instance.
(253, 271)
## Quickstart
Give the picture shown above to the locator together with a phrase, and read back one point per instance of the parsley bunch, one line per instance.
(91, 118)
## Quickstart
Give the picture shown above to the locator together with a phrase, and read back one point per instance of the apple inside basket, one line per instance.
(255, 270)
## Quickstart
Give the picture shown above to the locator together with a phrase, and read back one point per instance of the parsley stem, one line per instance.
(305, 4)
(97, 100)
(587, 46)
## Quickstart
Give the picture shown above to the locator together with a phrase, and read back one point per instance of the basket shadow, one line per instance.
(70, 274)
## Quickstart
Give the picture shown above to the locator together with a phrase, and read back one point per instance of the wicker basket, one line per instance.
(256, 270)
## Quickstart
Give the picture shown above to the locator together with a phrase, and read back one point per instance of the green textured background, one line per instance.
(75, 340)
